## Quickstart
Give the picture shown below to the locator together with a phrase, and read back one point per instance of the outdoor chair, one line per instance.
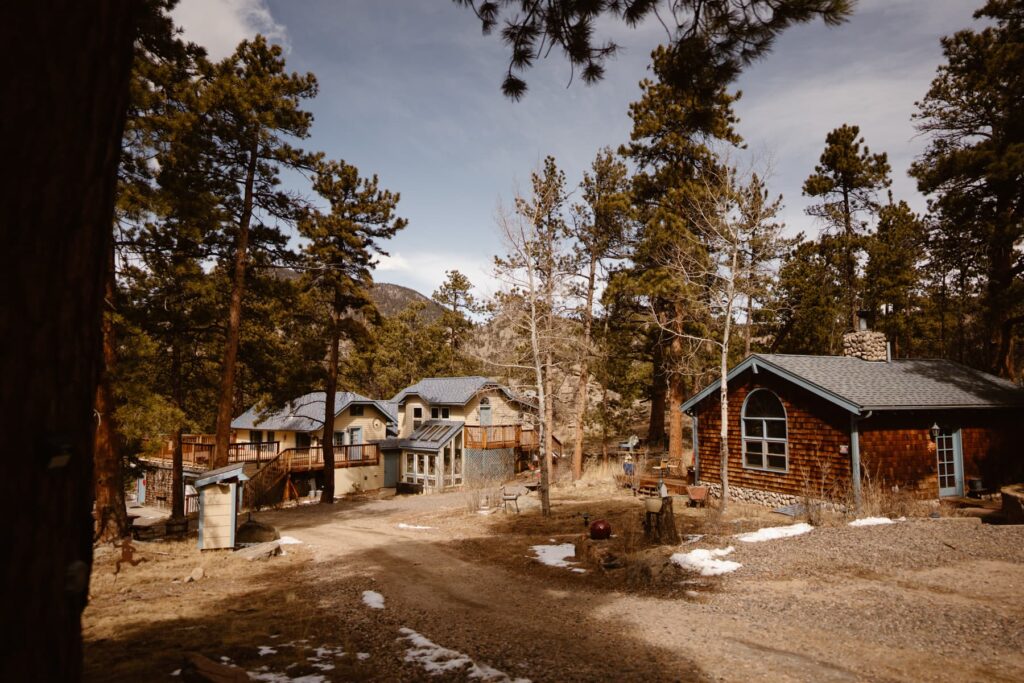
(510, 495)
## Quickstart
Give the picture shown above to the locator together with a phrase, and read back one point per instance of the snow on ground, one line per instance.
(874, 521)
(275, 677)
(706, 561)
(267, 650)
(289, 540)
(556, 555)
(773, 532)
(373, 599)
(403, 525)
(437, 660)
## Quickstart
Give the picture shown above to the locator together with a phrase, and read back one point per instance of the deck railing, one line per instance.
(195, 451)
(253, 451)
(312, 457)
(505, 436)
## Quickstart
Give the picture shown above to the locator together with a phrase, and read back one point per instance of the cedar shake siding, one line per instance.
(897, 449)
(816, 430)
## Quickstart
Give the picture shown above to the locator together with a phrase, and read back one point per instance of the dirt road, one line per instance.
(464, 598)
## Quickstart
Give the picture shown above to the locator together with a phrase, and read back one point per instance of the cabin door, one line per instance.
(485, 415)
(355, 439)
(951, 462)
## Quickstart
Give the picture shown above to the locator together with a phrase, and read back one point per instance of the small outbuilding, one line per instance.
(220, 493)
(821, 425)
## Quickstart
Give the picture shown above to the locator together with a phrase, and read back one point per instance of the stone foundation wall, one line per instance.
(758, 497)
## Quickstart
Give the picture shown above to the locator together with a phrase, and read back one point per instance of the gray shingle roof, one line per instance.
(306, 413)
(859, 385)
(455, 391)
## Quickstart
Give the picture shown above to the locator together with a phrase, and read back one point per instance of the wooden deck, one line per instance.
(505, 436)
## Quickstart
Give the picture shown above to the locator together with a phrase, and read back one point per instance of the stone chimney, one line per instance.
(864, 343)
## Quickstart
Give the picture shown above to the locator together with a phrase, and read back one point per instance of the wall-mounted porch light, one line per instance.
(935, 430)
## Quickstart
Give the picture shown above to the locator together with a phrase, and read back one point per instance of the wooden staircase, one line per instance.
(259, 490)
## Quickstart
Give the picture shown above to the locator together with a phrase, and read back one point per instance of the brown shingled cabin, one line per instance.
(802, 424)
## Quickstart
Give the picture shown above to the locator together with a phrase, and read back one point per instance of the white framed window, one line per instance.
(765, 443)
(442, 413)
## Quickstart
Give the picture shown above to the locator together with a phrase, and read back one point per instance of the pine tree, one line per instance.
(600, 226)
(338, 258)
(846, 181)
(455, 296)
(893, 274)
(251, 107)
(807, 302)
(974, 166)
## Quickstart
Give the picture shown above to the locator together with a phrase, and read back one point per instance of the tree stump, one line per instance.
(660, 527)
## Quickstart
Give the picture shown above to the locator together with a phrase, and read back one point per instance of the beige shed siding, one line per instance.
(218, 522)
(353, 479)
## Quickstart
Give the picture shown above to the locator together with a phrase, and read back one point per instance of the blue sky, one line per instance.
(409, 90)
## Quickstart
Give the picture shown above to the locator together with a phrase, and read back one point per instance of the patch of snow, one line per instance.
(362, 655)
(226, 660)
(322, 666)
(692, 538)
(403, 525)
(176, 672)
(871, 521)
(773, 532)
(706, 561)
(437, 660)
(289, 540)
(267, 650)
(579, 571)
(692, 594)
(555, 555)
(274, 677)
(325, 651)
(373, 599)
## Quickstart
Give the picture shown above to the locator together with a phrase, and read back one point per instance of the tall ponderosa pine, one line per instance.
(251, 108)
(338, 258)
(600, 226)
(974, 165)
(808, 301)
(847, 180)
(674, 131)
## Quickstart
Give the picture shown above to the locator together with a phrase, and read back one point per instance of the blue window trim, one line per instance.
(764, 439)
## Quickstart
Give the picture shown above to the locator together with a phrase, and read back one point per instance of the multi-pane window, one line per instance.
(443, 413)
(764, 432)
(355, 411)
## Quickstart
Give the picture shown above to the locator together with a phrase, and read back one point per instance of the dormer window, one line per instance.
(356, 411)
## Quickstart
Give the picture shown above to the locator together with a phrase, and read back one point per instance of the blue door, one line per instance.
(355, 437)
(950, 462)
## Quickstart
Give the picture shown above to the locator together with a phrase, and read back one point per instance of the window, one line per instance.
(417, 412)
(443, 413)
(270, 437)
(255, 436)
(356, 411)
(339, 438)
(302, 440)
(764, 432)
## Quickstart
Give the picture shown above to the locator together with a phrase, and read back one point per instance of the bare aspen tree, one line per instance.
(733, 240)
(535, 275)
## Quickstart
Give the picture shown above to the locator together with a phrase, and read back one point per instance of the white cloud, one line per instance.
(424, 271)
(220, 25)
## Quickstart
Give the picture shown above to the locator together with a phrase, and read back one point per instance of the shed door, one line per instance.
(391, 470)
(951, 462)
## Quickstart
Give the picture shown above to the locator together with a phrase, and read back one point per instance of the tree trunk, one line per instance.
(331, 387)
(108, 479)
(177, 459)
(549, 423)
(65, 105)
(723, 381)
(659, 387)
(677, 391)
(581, 392)
(227, 384)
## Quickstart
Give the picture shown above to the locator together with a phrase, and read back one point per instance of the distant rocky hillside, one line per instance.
(393, 299)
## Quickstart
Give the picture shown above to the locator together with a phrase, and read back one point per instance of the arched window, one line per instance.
(764, 432)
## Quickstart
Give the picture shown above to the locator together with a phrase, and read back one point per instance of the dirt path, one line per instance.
(836, 624)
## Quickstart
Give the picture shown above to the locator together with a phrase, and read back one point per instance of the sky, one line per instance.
(409, 90)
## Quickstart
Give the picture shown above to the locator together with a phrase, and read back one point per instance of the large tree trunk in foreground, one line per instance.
(227, 383)
(111, 515)
(676, 391)
(64, 106)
